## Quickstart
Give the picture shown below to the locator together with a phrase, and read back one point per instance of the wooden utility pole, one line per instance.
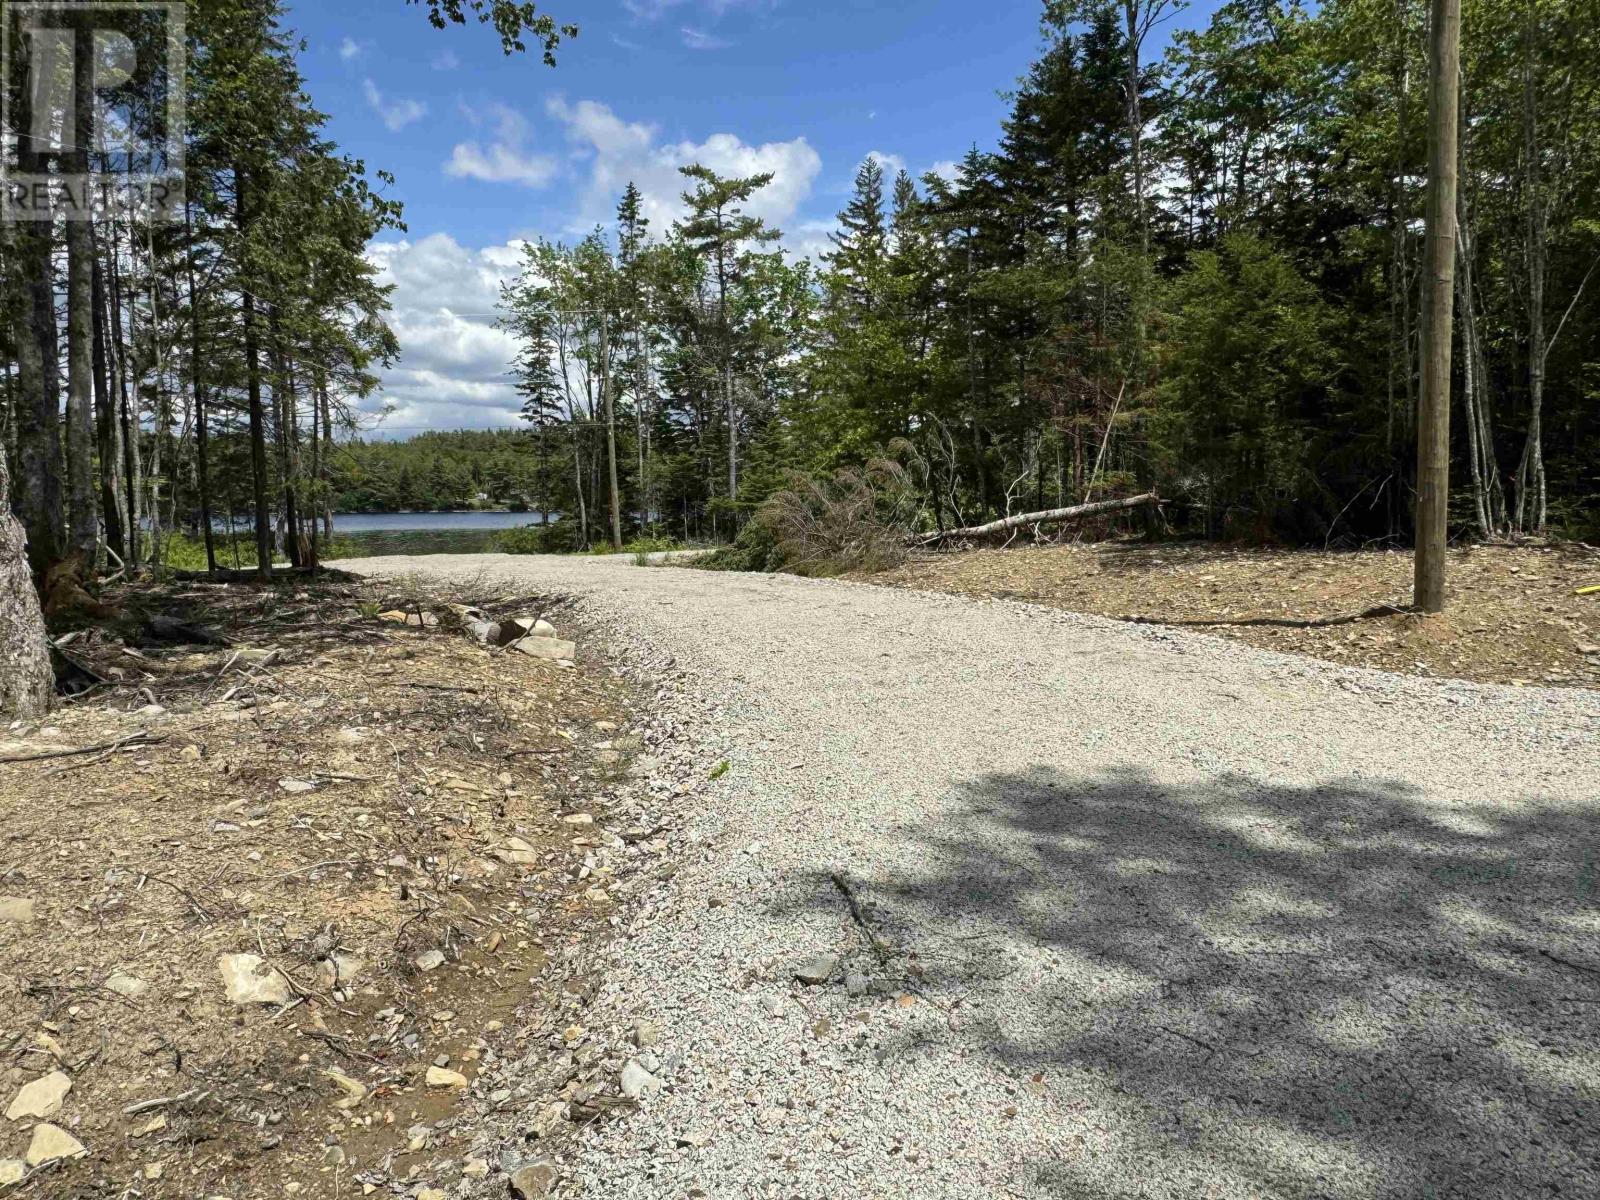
(611, 429)
(1438, 305)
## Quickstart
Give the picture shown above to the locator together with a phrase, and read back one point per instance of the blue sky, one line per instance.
(488, 151)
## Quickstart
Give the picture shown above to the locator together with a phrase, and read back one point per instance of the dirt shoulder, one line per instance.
(1514, 614)
(390, 843)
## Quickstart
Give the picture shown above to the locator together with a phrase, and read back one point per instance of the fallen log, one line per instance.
(1052, 516)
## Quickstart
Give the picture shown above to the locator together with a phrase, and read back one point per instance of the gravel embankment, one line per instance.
(1156, 915)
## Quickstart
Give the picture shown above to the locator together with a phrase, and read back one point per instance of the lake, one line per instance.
(426, 533)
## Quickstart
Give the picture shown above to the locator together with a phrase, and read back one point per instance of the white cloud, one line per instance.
(892, 164)
(446, 61)
(946, 169)
(619, 152)
(699, 39)
(350, 48)
(452, 371)
(506, 159)
(809, 239)
(654, 10)
(395, 114)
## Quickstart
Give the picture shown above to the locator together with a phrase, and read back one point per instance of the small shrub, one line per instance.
(558, 537)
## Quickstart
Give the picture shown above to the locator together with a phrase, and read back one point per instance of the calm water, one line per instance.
(408, 522)
(426, 533)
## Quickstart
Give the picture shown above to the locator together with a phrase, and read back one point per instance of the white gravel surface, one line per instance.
(1156, 915)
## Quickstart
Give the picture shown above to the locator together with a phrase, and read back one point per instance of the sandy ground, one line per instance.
(374, 809)
(1137, 913)
(1514, 614)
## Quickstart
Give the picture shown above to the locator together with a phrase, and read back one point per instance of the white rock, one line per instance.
(637, 1083)
(296, 787)
(444, 1077)
(250, 980)
(15, 910)
(517, 853)
(578, 819)
(354, 1090)
(51, 1142)
(12, 1170)
(549, 648)
(429, 960)
(126, 985)
(41, 1098)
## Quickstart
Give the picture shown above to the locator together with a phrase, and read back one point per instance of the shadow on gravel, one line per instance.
(1334, 991)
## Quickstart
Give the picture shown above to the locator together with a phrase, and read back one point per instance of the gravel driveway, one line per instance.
(1141, 914)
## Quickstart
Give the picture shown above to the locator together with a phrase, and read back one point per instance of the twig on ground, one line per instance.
(860, 918)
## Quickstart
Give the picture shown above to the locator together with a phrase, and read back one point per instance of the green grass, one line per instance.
(180, 552)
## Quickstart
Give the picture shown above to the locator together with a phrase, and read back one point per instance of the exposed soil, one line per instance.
(336, 794)
(1514, 615)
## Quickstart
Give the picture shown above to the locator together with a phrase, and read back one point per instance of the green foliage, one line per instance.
(558, 537)
(1248, 372)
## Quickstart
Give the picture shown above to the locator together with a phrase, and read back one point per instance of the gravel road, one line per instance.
(1141, 913)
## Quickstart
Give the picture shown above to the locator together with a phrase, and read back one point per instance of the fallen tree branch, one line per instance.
(1052, 516)
(1366, 614)
(131, 742)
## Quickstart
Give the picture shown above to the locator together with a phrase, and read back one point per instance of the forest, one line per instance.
(1195, 272)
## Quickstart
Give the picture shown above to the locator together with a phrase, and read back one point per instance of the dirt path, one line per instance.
(1135, 913)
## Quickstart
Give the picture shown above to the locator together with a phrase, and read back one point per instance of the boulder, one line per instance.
(444, 1077)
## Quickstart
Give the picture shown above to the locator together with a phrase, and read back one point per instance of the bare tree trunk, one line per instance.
(327, 464)
(202, 433)
(82, 516)
(1433, 413)
(611, 430)
(108, 433)
(39, 414)
(258, 421)
(27, 683)
(1530, 472)
(128, 405)
(1054, 516)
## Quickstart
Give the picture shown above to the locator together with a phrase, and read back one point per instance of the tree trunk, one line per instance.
(1433, 413)
(258, 421)
(1530, 472)
(202, 434)
(27, 683)
(1054, 516)
(108, 433)
(39, 414)
(611, 431)
(82, 515)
